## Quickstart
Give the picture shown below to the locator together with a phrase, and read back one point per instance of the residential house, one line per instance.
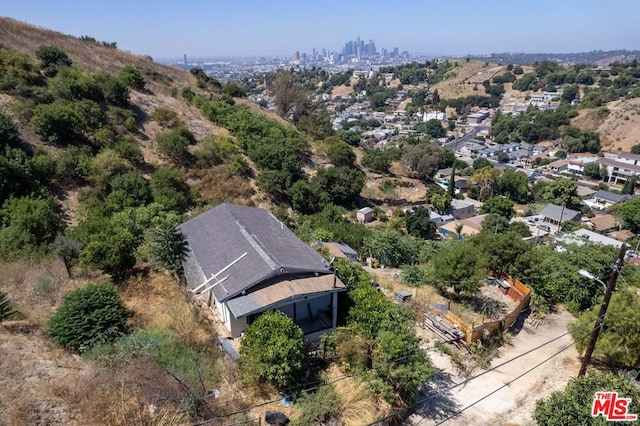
(620, 166)
(558, 215)
(558, 166)
(581, 236)
(602, 199)
(604, 224)
(576, 165)
(461, 209)
(439, 219)
(340, 250)
(478, 117)
(364, 215)
(246, 262)
(584, 192)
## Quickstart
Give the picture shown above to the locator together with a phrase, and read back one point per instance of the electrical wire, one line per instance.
(422, 401)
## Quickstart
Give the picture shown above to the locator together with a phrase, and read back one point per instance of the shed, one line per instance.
(365, 215)
(403, 296)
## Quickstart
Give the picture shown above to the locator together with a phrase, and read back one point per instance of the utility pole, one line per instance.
(603, 310)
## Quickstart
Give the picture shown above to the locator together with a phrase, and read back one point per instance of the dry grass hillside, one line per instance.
(469, 75)
(86, 55)
(619, 129)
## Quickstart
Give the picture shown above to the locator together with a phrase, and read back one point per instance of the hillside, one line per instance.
(620, 127)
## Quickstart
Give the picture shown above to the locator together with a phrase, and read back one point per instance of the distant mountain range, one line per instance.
(598, 57)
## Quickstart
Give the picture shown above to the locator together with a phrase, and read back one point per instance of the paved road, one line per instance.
(456, 143)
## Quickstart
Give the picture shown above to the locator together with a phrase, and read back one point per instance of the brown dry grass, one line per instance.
(28, 38)
(215, 185)
(619, 130)
(468, 74)
(358, 407)
(124, 395)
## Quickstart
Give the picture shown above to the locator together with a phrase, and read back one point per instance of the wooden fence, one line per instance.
(517, 291)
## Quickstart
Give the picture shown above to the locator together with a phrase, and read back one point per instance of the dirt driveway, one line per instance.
(514, 404)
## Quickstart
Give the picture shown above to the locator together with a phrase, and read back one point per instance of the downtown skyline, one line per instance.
(252, 28)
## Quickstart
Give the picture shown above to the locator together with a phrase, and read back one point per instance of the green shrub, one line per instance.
(165, 117)
(174, 145)
(272, 350)
(318, 407)
(87, 316)
(132, 77)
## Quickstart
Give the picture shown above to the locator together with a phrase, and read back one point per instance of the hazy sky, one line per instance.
(165, 28)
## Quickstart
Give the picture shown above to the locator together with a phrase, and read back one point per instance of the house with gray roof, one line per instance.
(244, 262)
(558, 215)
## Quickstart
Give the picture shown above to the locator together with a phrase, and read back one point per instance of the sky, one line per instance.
(238, 28)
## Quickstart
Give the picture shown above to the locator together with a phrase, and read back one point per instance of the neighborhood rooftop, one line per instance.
(223, 234)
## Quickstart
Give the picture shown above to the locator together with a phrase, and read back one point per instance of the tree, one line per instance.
(112, 251)
(572, 406)
(451, 187)
(272, 350)
(619, 340)
(8, 131)
(132, 77)
(424, 159)
(288, 96)
(339, 152)
(307, 197)
(486, 178)
(440, 202)
(513, 184)
(87, 316)
(434, 128)
(342, 184)
(376, 160)
(169, 189)
(135, 187)
(457, 265)
(29, 223)
(629, 186)
(498, 205)
(419, 223)
(503, 157)
(391, 248)
(502, 251)
(168, 246)
(481, 163)
(495, 224)
(635, 149)
(593, 170)
(51, 58)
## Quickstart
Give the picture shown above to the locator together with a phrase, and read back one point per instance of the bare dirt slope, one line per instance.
(513, 404)
(620, 129)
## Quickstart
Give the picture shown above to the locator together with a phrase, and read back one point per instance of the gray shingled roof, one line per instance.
(219, 236)
(611, 196)
(554, 212)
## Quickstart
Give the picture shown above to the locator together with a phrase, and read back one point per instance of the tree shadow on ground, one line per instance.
(435, 399)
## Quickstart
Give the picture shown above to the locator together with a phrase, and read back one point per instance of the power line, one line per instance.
(320, 383)
(506, 384)
(417, 403)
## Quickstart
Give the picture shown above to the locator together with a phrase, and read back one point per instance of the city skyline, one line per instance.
(253, 28)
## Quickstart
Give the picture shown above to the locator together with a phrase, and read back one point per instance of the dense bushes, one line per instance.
(87, 316)
(272, 351)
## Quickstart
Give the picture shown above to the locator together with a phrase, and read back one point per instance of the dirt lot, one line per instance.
(514, 404)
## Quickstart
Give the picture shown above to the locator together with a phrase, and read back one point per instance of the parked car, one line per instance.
(544, 227)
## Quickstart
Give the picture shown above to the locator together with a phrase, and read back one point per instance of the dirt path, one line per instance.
(514, 404)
